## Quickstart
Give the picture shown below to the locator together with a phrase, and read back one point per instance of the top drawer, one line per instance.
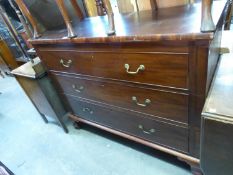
(164, 69)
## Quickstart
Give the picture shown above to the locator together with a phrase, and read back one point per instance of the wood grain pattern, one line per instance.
(168, 40)
(77, 9)
(184, 156)
(172, 106)
(168, 135)
(168, 24)
(159, 67)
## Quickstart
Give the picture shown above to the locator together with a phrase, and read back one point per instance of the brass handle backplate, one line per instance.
(67, 64)
(151, 131)
(78, 89)
(146, 103)
(88, 110)
(140, 68)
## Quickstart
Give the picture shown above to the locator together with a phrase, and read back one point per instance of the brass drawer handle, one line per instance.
(151, 131)
(67, 65)
(147, 102)
(88, 110)
(140, 68)
(78, 89)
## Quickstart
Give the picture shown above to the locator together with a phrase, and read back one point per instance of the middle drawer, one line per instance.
(158, 103)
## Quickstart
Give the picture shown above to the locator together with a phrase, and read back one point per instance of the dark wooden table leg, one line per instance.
(54, 100)
(100, 7)
(207, 24)
(44, 118)
(66, 17)
(29, 16)
(1, 74)
(194, 166)
(76, 125)
(108, 7)
(77, 9)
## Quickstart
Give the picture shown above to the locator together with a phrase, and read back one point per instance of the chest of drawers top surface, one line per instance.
(174, 23)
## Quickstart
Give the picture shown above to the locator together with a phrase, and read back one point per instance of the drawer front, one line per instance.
(164, 69)
(172, 106)
(157, 132)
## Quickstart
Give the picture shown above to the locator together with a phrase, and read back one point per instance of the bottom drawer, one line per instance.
(148, 129)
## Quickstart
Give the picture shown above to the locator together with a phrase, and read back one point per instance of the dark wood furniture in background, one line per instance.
(217, 122)
(149, 82)
(10, 33)
(7, 55)
(40, 90)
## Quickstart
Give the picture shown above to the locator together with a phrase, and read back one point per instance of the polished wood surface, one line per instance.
(171, 87)
(219, 100)
(175, 23)
(159, 66)
(137, 125)
(217, 118)
(185, 157)
(163, 104)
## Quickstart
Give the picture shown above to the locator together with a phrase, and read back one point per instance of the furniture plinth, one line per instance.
(148, 83)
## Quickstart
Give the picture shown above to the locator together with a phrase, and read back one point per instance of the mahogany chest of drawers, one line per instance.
(148, 83)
